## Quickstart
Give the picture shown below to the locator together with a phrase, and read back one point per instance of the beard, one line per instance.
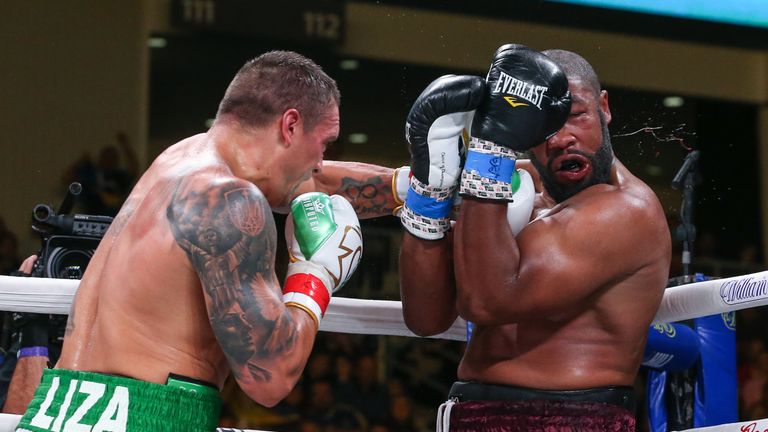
(600, 161)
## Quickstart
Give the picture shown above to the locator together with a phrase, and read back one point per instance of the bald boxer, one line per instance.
(182, 291)
(561, 308)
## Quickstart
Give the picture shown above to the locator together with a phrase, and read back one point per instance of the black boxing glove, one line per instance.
(434, 130)
(528, 99)
(527, 102)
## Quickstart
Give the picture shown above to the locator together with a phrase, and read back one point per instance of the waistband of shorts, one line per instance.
(64, 393)
(622, 396)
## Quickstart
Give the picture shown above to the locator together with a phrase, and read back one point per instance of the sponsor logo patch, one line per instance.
(520, 93)
(729, 320)
(744, 290)
(665, 329)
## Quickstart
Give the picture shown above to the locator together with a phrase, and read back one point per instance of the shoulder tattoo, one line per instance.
(229, 236)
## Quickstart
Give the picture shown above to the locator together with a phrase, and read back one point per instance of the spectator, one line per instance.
(755, 382)
(9, 252)
(290, 409)
(343, 386)
(339, 343)
(401, 415)
(320, 400)
(319, 366)
(343, 418)
(395, 387)
(371, 398)
(106, 182)
(309, 426)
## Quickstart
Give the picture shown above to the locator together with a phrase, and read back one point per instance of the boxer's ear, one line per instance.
(289, 125)
(604, 107)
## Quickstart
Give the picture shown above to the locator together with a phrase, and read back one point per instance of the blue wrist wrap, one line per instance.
(491, 166)
(428, 206)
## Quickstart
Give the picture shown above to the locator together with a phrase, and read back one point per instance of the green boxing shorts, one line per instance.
(86, 401)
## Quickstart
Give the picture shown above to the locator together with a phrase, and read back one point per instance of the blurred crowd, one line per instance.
(356, 383)
(753, 365)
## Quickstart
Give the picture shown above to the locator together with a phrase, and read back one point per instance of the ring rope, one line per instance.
(712, 297)
(384, 317)
(344, 315)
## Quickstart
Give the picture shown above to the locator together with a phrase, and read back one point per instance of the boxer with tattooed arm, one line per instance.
(182, 291)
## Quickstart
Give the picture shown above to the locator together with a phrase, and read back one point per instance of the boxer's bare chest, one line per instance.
(543, 206)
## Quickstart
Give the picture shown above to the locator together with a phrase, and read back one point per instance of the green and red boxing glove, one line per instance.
(325, 244)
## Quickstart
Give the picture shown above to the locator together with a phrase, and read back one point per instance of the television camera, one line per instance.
(69, 241)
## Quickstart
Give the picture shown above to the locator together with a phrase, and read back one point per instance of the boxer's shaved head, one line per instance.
(584, 83)
(274, 82)
(575, 67)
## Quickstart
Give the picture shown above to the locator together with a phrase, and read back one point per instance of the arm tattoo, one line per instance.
(230, 239)
(125, 213)
(70, 319)
(370, 197)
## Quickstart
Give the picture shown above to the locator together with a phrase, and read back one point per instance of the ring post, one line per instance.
(716, 396)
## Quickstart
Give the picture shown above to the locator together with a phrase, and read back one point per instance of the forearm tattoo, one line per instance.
(229, 236)
(370, 197)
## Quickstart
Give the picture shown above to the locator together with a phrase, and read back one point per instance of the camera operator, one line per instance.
(31, 352)
(31, 340)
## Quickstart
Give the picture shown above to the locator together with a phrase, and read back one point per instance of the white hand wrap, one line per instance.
(488, 171)
(421, 220)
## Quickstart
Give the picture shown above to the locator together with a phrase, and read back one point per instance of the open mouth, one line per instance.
(571, 167)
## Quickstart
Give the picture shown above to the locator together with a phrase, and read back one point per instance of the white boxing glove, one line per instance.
(325, 244)
(401, 182)
(520, 208)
